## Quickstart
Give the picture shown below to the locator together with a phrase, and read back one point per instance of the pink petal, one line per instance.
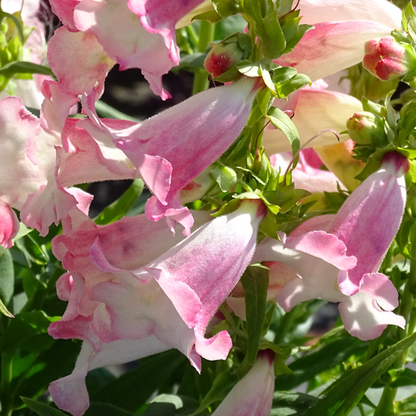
(253, 395)
(131, 45)
(64, 9)
(78, 60)
(332, 46)
(227, 242)
(325, 246)
(380, 199)
(380, 11)
(9, 225)
(315, 109)
(364, 319)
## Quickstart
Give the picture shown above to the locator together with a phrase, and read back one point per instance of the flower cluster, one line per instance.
(171, 278)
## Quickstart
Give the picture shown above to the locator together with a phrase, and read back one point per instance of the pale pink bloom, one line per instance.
(341, 263)
(340, 32)
(41, 158)
(174, 147)
(125, 305)
(186, 274)
(253, 395)
(307, 174)
(314, 109)
(135, 34)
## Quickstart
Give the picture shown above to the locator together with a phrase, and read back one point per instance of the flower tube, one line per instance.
(341, 263)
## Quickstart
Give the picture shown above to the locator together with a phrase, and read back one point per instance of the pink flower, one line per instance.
(133, 293)
(341, 263)
(253, 395)
(340, 32)
(174, 147)
(135, 34)
(314, 109)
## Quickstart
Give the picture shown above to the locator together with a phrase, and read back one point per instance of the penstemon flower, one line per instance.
(340, 263)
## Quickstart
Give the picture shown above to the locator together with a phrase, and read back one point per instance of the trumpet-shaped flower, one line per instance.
(253, 395)
(314, 109)
(174, 147)
(340, 32)
(127, 302)
(42, 158)
(341, 263)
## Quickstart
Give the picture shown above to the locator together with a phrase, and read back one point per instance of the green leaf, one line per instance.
(325, 358)
(347, 391)
(292, 400)
(221, 386)
(106, 111)
(16, 21)
(56, 362)
(224, 176)
(409, 19)
(5, 311)
(403, 377)
(120, 207)
(101, 409)
(282, 121)
(406, 405)
(255, 281)
(171, 405)
(42, 409)
(131, 390)
(23, 67)
(272, 36)
(6, 277)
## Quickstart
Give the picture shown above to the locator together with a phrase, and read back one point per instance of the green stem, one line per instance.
(285, 324)
(206, 35)
(6, 378)
(386, 405)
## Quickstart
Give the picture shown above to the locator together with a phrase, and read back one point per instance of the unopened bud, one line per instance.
(387, 59)
(223, 56)
(367, 128)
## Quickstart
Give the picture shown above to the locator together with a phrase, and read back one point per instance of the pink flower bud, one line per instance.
(367, 128)
(223, 57)
(386, 58)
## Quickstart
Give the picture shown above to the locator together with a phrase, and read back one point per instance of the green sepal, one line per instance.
(409, 20)
(272, 36)
(292, 30)
(211, 16)
(224, 176)
(226, 8)
(255, 281)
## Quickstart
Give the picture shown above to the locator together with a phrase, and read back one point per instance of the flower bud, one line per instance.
(387, 59)
(223, 56)
(367, 128)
